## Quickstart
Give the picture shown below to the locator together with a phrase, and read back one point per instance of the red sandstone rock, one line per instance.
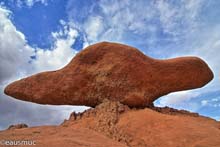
(112, 124)
(112, 71)
(17, 126)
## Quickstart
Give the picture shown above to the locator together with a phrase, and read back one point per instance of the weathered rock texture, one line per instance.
(113, 71)
(148, 128)
(112, 124)
(17, 126)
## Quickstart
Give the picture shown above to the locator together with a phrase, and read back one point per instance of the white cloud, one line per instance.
(217, 118)
(15, 53)
(180, 100)
(122, 16)
(116, 18)
(29, 3)
(177, 98)
(204, 102)
(60, 54)
(179, 19)
(94, 27)
(167, 15)
(214, 102)
(15, 63)
(14, 111)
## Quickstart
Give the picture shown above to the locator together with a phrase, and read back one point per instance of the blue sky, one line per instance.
(40, 35)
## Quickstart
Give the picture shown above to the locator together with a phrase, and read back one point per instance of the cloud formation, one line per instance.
(60, 53)
(120, 20)
(18, 60)
(14, 56)
(29, 3)
(14, 111)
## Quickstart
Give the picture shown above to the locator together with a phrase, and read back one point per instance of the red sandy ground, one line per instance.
(112, 124)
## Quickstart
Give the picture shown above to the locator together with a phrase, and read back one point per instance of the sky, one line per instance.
(42, 35)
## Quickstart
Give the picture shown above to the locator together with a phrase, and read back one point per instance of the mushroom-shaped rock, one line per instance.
(112, 71)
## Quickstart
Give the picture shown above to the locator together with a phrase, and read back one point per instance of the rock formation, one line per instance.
(17, 126)
(112, 124)
(157, 127)
(115, 72)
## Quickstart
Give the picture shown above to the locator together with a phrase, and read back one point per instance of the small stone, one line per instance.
(17, 126)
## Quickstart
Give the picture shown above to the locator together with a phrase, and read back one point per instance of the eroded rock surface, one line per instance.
(17, 126)
(113, 124)
(155, 127)
(113, 71)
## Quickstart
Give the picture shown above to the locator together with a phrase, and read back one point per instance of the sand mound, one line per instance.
(113, 124)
